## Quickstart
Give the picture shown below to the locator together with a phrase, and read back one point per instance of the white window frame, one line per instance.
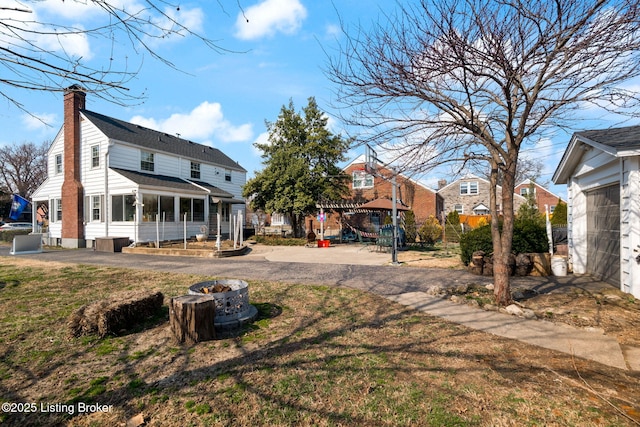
(195, 170)
(227, 175)
(58, 164)
(95, 156)
(57, 210)
(469, 188)
(362, 180)
(147, 158)
(461, 210)
(524, 191)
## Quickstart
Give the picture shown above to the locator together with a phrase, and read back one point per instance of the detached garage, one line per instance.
(602, 171)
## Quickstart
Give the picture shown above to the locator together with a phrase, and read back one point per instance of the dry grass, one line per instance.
(317, 356)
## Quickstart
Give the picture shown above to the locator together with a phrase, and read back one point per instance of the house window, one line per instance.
(524, 191)
(362, 180)
(58, 164)
(194, 208)
(147, 161)
(227, 176)
(552, 208)
(93, 208)
(58, 209)
(123, 207)
(195, 170)
(95, 156)
(468, 188)
(167, 208)
(459, 208)
(150, 207)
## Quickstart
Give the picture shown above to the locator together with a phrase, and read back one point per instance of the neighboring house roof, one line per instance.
(617, 142)
(529, 182)
(152, 180)
(361, 160)
(159, 141)
(464, 178)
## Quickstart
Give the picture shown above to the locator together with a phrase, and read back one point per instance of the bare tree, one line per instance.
(23, 167)
(37, 55)
(460, 80)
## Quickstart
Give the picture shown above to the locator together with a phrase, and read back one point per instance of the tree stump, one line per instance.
(523, 265)
(476, 264)
(191, 318)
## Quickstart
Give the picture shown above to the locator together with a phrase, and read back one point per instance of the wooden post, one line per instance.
(191, 318)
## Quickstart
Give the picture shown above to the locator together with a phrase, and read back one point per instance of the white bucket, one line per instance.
(558, 266)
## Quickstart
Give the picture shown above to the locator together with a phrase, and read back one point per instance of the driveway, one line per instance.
(352, 266)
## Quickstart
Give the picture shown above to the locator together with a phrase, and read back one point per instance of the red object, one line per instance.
(323, 243)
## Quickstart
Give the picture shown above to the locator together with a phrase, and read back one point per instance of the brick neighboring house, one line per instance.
(364, 187)
(470, 196)
(542, 195)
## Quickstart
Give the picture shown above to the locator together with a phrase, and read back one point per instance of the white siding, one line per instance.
(630, 225)
(124, 157)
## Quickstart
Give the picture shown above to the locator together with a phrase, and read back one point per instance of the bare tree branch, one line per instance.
(450, 80)
(35, 54)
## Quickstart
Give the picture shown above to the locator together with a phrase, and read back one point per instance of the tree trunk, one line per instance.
(191, 318)
(502, 236)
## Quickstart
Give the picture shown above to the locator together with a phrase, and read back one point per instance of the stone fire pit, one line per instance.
(231, 302)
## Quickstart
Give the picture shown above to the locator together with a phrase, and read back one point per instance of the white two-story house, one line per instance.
(107, 177)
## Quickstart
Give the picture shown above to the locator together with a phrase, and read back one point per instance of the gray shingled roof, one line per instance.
(159, 141)
(172, 182)
(625, 137)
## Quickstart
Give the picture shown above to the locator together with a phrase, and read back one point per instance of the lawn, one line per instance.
(317, 355)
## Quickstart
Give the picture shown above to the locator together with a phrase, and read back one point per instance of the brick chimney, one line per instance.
(72, 191)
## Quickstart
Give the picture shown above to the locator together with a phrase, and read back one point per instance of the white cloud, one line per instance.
(48, 38)
(203, 122)
(270, 17)
(263, 138)
(39, 121)
(333, 30)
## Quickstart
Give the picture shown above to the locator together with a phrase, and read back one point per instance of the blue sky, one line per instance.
(224, 99)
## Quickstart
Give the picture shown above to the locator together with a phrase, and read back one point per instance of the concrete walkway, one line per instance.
(357, 267)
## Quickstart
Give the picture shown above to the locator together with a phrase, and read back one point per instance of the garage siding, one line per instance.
(603, 233)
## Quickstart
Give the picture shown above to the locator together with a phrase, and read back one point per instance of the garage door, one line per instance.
(603, 234)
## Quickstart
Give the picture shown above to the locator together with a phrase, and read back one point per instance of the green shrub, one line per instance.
(430, 231)
(559, 214)
(453, 218)
(410, 226)
(7, 235)
(279, 241)
(528, 237)
(478, 239)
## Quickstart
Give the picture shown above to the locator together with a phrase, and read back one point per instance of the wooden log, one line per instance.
(541, 264)
(523, 265)
(488, 266)
(191, 318)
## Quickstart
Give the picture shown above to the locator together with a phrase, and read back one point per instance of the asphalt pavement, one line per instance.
(358, 267)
